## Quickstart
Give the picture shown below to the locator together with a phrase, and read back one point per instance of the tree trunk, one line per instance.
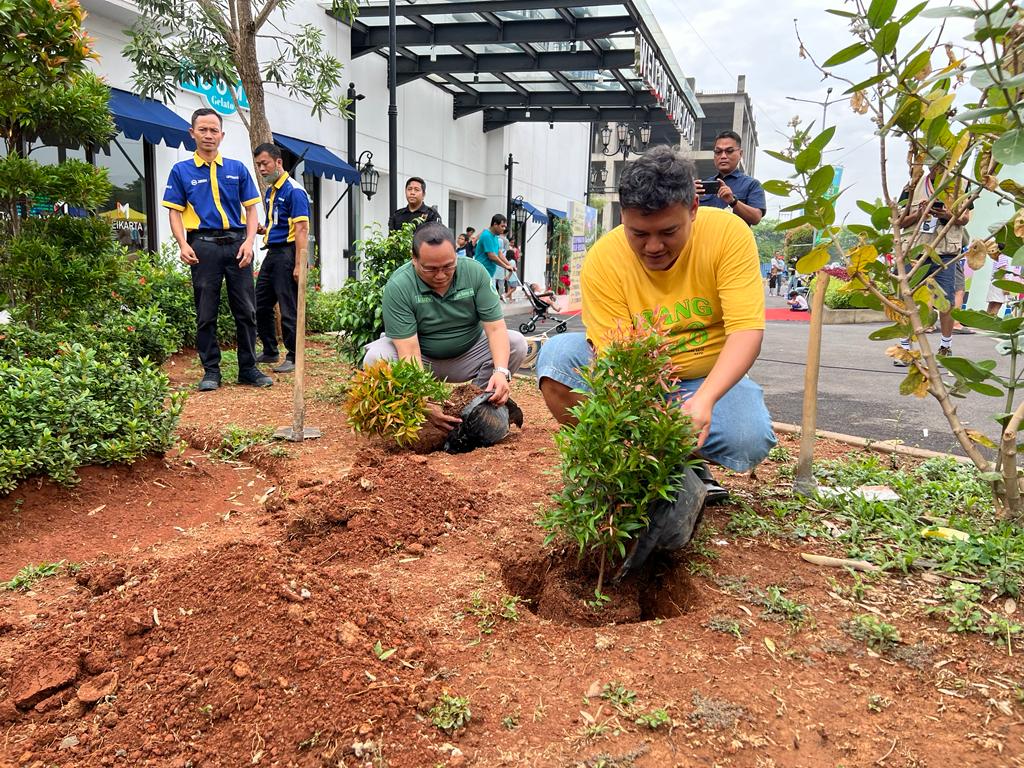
(248, 67)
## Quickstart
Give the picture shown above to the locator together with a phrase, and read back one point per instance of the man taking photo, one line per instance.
(443, 312)
(698, 270)
(731, 188)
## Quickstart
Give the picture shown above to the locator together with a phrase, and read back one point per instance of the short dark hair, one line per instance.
(793, 293)
(418, 180)
(433, 233)
(203, 112)
(271, 149)
(657, 179)
(730, 135)
(498, 218)
(470, 230)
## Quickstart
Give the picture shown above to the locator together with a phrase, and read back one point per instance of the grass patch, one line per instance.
(27, 577)
(876, 633)
(236, 440)
(489, 614)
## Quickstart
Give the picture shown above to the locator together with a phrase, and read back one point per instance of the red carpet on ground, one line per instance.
(785, 313)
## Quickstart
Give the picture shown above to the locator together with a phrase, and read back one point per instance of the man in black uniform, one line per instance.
(416, 211)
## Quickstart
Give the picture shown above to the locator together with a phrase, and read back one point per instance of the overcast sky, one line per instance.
(715, 42)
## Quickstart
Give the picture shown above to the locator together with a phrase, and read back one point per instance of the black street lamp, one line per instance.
(628, 139)
(368, 175)
(519, 212)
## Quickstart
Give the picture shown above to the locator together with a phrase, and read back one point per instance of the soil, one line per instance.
(309, 604)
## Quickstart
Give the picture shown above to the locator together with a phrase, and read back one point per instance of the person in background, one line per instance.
(797, 303)
(488, 247)
(460, 245)
(212, 210)
(416, 211)
(1001, 270)
(736, 190)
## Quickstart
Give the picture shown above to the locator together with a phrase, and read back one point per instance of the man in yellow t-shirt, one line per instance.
(696, 268)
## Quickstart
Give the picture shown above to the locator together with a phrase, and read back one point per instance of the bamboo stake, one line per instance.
(803, 481)
(298, 432)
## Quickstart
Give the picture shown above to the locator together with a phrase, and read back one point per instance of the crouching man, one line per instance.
(443, 312)
(698, 270)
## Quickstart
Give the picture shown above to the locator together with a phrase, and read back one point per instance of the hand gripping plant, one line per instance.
(959, 110)
(390, 399)
(628, 449)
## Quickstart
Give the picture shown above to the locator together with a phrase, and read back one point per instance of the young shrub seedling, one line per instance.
(236, 440)
(619, 696)
(390, 399)
(627, 450)
(450, 713)
(26, 578)
(654, 719)
(778, 606)
(875, 632)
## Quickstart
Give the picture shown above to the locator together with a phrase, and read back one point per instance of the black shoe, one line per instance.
(266, 357)
(209, 382)
(944, 351)
(900, 363)
(716, 493)
(286, 367)
(255, 378)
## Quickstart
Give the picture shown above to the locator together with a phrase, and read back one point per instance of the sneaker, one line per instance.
(286, 367)
(716, 494)
(944, 351)
(209, 382)
(255, 378)
(266, 357)
(900, 363)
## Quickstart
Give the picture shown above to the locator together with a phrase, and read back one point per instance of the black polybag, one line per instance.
(483, 424)
(672, 524)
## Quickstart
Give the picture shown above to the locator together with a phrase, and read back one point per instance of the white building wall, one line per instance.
(455, 157)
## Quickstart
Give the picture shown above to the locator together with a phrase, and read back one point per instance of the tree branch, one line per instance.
(268, 9)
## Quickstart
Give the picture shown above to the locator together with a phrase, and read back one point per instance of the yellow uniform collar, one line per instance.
(219, 160)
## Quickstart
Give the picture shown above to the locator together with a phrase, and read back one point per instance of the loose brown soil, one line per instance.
(308, 605)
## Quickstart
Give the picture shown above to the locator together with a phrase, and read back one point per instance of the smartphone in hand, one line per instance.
(711, 186)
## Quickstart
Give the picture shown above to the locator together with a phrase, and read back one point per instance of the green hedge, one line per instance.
(74, 408)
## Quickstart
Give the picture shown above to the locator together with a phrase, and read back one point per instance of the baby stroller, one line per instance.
(542, 313)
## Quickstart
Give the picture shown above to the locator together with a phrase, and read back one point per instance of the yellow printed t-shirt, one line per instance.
(712, 290)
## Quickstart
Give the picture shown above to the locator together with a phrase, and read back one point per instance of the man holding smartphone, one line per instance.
(731, 188)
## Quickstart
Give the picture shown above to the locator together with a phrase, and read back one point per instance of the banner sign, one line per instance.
(658, 81)
(216, 96)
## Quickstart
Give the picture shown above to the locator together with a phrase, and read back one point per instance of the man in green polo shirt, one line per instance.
(443, 312)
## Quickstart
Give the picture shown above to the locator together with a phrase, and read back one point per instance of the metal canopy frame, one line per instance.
(536, 60)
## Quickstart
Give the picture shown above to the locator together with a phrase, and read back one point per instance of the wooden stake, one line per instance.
(803, 482)
(298, 432)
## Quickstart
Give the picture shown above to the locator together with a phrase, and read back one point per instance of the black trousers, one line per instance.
(275, 285)
(218, 264)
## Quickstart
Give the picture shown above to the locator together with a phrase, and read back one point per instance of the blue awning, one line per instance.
(140, 118)
(319, 160)
(557, 213)
(538, 215)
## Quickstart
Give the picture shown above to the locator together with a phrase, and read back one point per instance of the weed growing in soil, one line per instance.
(236, 440)
(27, 577)
(450, 713)
(390, 399)
(626, 451)
(619, 696)
(960, 607)
(871, 629)
(780, 453)
(715, 714)
(333, 391)
(726, 626)
(877, 702)
(382, 653)
(781, 608)
(654, 719)
(488, 614)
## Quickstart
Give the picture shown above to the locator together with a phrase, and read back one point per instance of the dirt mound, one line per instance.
(245, 651)
(384, 504)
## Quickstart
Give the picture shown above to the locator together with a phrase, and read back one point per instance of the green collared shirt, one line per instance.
(447, 326)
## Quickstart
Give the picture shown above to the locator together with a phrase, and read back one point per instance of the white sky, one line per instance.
(715, 42)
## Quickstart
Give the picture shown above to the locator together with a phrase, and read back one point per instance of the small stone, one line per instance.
(365, 729)
(8, 712)
(594, 690)
(137, 625)
(415, 549)
(40, 678)
(68, 742)
(348, 634)
(240, 670)
(457, 758)
(289, 595)
(98, 688)
(96, 662)
(295, 612)
(305, 594)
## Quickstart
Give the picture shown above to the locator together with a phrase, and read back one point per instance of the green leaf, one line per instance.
(847, 54)
(863, 84)
(881, 218)
(1011, 286)
(916, 65)
(975, 319)
(1018, 258)
(779, 156)
(970, 115)
(913, 13)
(1009, 148)
(807, 159)
(890, 332)
(949, 12)
(820, 181)
(880, 11)
(965, 368)
(985, 389)
(886, 39)
(822, 139)
(938, 106)
(796, 221)
(844, 14)
(777, 187)
(868, 208)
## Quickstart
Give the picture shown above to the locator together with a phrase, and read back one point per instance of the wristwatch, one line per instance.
(733, 203)
(504, 372)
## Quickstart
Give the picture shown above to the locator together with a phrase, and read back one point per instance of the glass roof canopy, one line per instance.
(536, 60)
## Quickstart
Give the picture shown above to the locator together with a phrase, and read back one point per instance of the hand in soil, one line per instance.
(499, 386)
(440, 419)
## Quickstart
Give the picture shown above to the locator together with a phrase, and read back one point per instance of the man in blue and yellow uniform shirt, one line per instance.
(206, 195)
(287, 234)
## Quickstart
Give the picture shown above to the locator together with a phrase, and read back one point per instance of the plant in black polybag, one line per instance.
(628, 453)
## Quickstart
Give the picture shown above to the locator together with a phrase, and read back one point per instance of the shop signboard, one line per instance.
(216, 95)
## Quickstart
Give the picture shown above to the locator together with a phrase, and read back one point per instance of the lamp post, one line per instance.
(628, 139)
(353, 98)
(823, 104)
(518, 217)
(598, 178)
(392, 107)
(508, 194)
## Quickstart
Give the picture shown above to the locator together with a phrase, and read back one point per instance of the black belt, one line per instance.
(216, 236)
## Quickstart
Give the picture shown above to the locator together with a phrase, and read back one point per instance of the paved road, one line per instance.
(858, 387)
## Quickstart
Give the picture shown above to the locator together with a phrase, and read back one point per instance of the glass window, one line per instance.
(125, 161)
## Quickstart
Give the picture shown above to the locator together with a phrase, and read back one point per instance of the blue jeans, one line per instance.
(741, 429)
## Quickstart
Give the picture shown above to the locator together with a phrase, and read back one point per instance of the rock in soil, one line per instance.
(39, 678)
(98, 688)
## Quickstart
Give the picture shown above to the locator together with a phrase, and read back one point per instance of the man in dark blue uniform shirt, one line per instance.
(206, 195)
(287, 236)
(736, 190)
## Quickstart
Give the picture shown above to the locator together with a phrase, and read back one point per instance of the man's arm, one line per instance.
(497, 342)
(188, 256)
(498, 259)
(409, 349)
(737, 356)
(751, 212)
(252, 222)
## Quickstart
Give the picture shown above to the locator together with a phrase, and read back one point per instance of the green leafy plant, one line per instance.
(390, 399)
(725, 625)
(489, 614)
(655, 719)
(625, 452)
(960, 107)
(877, 702)
(778, 606)
(382, 653)
(875, 632)
(356, 309)
(450, 713)
(236, 440)
(960, 607)
(27, 577)
(619, 696)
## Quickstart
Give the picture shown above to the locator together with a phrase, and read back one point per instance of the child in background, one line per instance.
(797, 303)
